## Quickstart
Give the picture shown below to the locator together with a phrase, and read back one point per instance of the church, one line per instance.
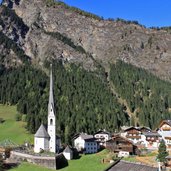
(47, 140)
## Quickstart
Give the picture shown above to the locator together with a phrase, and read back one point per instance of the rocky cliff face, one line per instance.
(53, 30)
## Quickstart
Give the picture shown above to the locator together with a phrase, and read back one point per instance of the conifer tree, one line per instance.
(162, 153)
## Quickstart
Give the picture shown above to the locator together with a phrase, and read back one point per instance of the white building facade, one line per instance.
(41, 140)
(102, 136)
(151, 140)
(86, 143)
(165, 131)
(68, 153)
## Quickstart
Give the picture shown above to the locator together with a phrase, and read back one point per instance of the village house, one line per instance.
(164, 130)
(134, 134)
(102, 136)
(86, 143)
(151, 139)
(122, 146)
(168, 161)
(144, 129)
(131, 133)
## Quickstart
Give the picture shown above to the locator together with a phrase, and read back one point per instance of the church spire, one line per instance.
(51, 100)
(51, 117)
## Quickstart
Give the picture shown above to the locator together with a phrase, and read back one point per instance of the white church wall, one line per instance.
(52, 131)
(40, 143)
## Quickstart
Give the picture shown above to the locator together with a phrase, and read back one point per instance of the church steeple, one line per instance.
(51, 117)
(47, 140)
(51, 100)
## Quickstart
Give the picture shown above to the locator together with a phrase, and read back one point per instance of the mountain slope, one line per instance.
(105, 40)
(92, 89)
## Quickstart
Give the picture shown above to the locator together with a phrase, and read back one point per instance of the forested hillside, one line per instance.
(84, 102)
(146, 94)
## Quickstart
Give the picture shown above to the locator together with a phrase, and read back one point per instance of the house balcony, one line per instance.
(133, 136)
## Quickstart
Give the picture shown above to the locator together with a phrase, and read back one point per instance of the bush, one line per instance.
(23, 118)
(1, 120)
(41, 151)
(18, 117)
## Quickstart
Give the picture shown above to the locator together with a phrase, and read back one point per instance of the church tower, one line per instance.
(51, 117)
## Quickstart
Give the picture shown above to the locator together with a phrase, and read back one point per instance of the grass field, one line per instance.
(29, 167)
(10, 129)
(89, 162)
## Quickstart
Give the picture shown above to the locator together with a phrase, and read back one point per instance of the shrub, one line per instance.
(23, 118)
(1, 120)
(18, 117)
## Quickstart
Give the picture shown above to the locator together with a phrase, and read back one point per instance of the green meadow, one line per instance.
(16, 132)
(29, 167)
(12, 130)
(90, 162)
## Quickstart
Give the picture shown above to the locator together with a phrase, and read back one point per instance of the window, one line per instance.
(51, 121)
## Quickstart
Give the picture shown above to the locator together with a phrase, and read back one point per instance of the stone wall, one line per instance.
(49, 162)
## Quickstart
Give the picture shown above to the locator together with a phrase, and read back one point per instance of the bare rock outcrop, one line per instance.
(103, 40)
